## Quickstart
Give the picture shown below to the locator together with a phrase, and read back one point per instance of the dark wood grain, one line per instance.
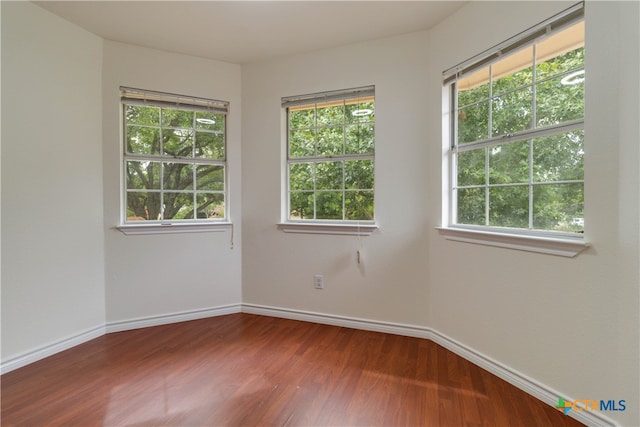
(249, 370)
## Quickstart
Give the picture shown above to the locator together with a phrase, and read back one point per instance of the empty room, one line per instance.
(323, 213)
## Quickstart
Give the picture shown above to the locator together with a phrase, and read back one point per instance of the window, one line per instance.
(516, 135)
(173, 158)
(330, 156)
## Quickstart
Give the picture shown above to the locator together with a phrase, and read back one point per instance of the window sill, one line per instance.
(365, 229)
(560, 246)
(172, 228)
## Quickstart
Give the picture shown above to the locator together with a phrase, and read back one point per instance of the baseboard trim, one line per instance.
(50, 349)
(530, 386)
(145, 322)
(165, 319)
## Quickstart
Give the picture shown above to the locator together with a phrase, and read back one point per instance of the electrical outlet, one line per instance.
(318, 281)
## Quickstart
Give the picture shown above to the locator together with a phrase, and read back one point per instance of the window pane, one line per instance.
(177, 176)
(330, 141)
(561, 64)
(178, 142)
(165, 181)
(512, 112)
(473, 122)
(210, 205)
(471, 167)
(301, 205)
(142, 115)
(210, 177)
(210, 121)
(143, 205)
(561, 52)
(473, 88)
(499, 100)
(177, 118)
(471, 206)
(302, 118)
(301, 176)
(143, 175)
(329, 205)
(210, 145)
(360, 112)
(142, 140)
(513, 72)
(330, 115)
(178, 206)
(560, 99)
(509, 206)
(329, 176)
(559, 157)
(302, 143)
(331, 132)
(360, 139)
(558, 207)
(358, 174)
(509, 163)
(358, 205)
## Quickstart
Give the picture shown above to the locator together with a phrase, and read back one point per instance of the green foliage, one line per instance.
(499, 184)
(178, 188)
(337, 186)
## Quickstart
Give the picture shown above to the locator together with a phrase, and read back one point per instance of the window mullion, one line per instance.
(331, 122)
(161, 191)
(315, 165)
(344, 151)
(487, 198)
(194, 197)
(490, 106)
(315, 188)
(555, 113)
(453, 158)
(486, 186)
(534, 125)
(525, 134)
(149, 150)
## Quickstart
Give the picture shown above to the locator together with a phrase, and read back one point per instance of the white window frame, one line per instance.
(133, 96)
(541, 241)
(322, 226)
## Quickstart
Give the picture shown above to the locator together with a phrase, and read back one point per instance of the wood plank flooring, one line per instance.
(249, 370)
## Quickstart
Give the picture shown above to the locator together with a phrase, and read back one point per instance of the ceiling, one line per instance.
(248, 31)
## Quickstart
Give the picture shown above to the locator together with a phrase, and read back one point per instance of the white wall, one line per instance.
(52, 225)
(278, 268)
(153, 275)
(569, 324)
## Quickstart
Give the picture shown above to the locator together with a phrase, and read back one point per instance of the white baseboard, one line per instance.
(521, 381)
(72, 341)
(528, 385)
(165, 319)
(50, 349)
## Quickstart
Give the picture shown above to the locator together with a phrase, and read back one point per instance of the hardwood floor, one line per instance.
(249, 370)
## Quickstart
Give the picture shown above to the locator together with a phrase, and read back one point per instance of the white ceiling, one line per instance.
(247, 31)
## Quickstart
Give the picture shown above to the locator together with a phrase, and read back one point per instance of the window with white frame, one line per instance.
(517, 132)
(174, 158)
(330, 156)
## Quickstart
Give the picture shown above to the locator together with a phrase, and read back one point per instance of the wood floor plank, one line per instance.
(250, 370)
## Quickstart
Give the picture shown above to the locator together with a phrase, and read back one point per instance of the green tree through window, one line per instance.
(174, 162)
(519, 141)
(330, 164)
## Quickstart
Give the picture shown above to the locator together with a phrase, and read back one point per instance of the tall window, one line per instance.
(174, 157)
(330, 156)
(517, 119)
